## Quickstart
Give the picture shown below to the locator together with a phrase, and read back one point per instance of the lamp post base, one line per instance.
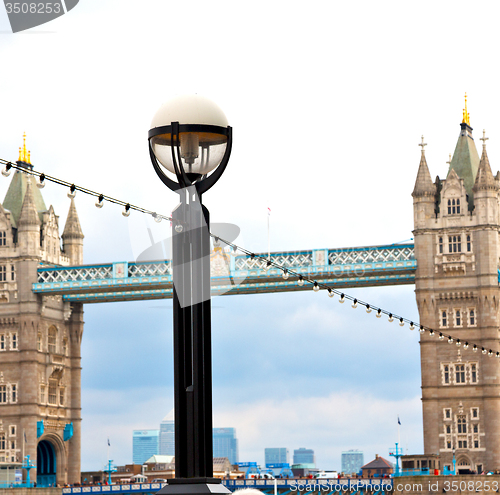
(194, 486)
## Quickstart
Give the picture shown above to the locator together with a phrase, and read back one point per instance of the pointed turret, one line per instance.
(28, 216)
(423, 183)
(17, 189)
(73, 236)
(465, 159)
(484, 178)
(28, 225)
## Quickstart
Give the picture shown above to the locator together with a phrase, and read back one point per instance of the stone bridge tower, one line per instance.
(456, 236)
(40, 337)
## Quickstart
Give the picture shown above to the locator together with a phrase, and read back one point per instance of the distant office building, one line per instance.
(351, 461)
(225, 444)
(304, 456)
(276, 455)
(144, 445)
(167, 435)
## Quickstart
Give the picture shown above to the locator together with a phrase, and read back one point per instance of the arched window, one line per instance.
(446, 374)
(52, 340)
(52, 392)
(461, 425)
(460, 374)
(454, 244)
(473, 373)
(472, 317)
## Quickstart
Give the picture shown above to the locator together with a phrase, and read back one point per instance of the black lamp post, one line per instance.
(191, 140)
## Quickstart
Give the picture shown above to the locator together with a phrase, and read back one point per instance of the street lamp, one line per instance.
(190, 144)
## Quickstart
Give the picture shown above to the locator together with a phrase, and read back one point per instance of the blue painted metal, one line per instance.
(39, 428)
(284, 486)
(339, 268)
(68, 431)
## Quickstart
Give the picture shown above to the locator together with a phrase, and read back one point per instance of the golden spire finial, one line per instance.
(465, 113)
(24, 155)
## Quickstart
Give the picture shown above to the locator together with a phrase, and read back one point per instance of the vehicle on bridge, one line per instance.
(326, 475)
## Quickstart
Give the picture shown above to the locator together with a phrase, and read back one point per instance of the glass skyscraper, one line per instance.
(167, 435)
(225, 444)
(351, 461)
(304, 456)
(144, 445)
(276, 455)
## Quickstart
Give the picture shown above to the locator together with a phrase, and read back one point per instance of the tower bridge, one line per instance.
(241, 274)
(453, 263)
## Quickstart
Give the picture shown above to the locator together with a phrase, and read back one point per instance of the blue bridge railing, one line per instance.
(352, 486)
(240, 274)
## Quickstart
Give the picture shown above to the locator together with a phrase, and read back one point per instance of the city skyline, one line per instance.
(298, 368)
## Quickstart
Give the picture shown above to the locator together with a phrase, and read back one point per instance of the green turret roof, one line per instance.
(15, 196)
(465, 161)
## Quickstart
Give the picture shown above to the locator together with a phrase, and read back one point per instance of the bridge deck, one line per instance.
(284, 486)
(241, 274)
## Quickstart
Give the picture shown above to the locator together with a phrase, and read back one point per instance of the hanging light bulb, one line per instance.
(490, 353)
(474, 349)
(450, 340)
(234, 252)
(441, 336)
(300, 281)
(368, 309)
(484, 351)
(342, 299)
(72, 191)
(126, 211)
(315, 287)
(41, 184)
(267, 265)
(412, 326)
(466, 345)
(497, 354)
(391, 319)
(354, 304)
(431, 332)
(379, 313)
(458, 343)
(330, 293)
(156, 217)
(285, 274)
(179, 228)
(6, 170)
(401, 322)
(99, 203)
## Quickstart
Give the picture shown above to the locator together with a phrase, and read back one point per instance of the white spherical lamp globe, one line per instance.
(199, 141)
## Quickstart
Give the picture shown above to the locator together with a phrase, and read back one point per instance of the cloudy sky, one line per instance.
(328, 101)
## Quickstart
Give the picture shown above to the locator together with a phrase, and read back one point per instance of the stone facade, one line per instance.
(456, 234)
(40, 337)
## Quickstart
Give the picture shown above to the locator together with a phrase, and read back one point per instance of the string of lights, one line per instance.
(73, 188)
(266, 262)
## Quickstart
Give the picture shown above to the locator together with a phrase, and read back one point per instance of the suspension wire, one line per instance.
(266, 263)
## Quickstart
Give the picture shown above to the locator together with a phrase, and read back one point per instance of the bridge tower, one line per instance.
(40, 336)
(456, 234)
